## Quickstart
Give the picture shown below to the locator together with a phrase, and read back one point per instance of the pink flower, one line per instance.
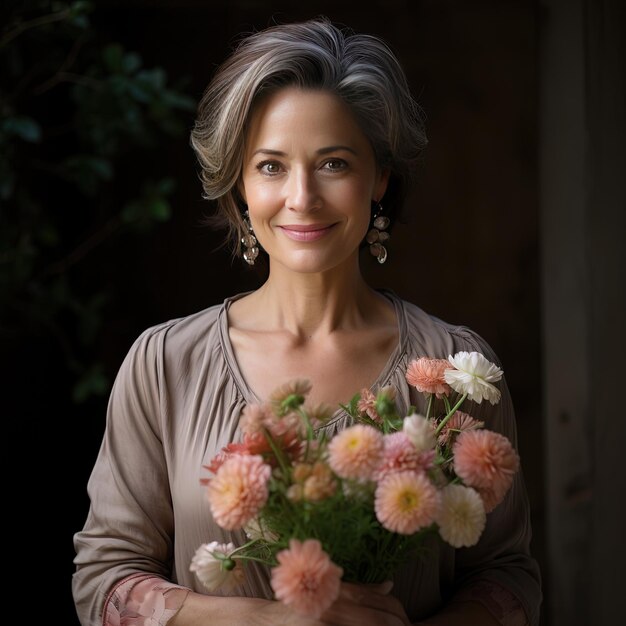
(254, 418)
(229, 450)
(367, 405)
(457, 423)
(486, 460)
(318, 414)
(356, 452)
(461, 517)
(427, 376)
(289, 396)
(405, 502)
(400, 454)
(239, 490)
(305, 578)
(491, 498)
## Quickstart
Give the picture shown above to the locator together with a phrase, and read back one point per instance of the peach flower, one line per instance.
(456, 424)
(427, 376)
(254, 418)
(289, 396)
(485, 459)
(406, 501)
(491, 497)
(239, 490)
(367, 405)
(305, 578)
(356, 452)
(313, 482)
(462, 516)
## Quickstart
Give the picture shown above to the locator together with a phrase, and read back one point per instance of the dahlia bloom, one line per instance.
(473, 375)
(490, 497)
(355, 452)
(367, 405)
(405, 502)
(313, 482)
(215, 568)
(289, 396)
(486, 460)
(239, 490)
(400, 454)
(305, 578)
(456, 424)
(254, 418)
(462, 516)
(427, 376)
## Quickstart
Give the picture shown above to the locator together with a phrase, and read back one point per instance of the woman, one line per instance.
(305, 135)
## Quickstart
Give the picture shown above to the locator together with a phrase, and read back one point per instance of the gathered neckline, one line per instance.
(248, 394)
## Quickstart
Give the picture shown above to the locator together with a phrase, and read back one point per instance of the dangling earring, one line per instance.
(251, 251)
(377, 235)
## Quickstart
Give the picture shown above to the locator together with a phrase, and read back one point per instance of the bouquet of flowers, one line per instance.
(354, 506)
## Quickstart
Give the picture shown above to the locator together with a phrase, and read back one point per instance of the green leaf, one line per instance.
(159, 209)
(25, 128)
(113, 56)
(131, 63)
(154, 78)
(179, 101)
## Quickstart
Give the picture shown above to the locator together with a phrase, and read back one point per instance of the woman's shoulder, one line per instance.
(427, 334)
(181, 338)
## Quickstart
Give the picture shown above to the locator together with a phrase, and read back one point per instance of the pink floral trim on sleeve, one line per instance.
(500, 602)
(143, 600)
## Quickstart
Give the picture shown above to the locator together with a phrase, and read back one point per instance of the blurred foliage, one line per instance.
(78, 116)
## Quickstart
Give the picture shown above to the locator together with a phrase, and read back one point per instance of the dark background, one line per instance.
(468, 252)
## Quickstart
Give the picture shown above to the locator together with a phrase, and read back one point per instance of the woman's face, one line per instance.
(309, 177)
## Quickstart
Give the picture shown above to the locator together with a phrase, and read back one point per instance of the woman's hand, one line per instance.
(366, 605)
(357, 605)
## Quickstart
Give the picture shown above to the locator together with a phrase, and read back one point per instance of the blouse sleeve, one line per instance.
(141, 599)
(501, 561)
(129, 527)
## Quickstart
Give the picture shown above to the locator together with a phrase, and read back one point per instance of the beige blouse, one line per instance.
(177, 400)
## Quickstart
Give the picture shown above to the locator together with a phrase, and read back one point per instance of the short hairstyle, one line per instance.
(360, 69)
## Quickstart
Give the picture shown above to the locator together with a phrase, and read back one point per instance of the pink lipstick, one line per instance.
(305, 232)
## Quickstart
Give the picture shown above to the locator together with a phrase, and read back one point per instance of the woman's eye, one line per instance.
(334, 165)
(268, 167)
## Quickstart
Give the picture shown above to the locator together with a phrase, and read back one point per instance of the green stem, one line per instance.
(278, 453)
(429, 406)
(450, 413)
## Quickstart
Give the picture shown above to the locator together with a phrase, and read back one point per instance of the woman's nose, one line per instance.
(302, 192)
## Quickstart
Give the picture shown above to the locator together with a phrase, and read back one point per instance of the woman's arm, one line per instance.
(129, 528)
(357, 605)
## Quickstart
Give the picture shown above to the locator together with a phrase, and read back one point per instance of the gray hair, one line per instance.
(360, 69)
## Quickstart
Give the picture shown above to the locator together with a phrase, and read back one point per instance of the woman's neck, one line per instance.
(314, 305)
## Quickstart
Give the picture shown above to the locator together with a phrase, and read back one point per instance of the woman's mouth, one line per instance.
(306, 232)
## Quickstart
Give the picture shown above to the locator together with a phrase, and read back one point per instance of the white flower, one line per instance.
(420, 431)
(461, 516)
(473, 375)
(215, 568)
